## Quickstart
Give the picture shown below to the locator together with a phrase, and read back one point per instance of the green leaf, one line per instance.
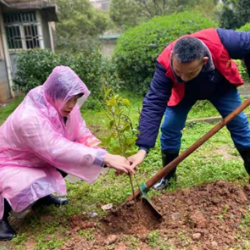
(113, 102)
(116, 150)
(107, 93)
(126, 102)
(111, 124)
(114, 134)
(105, 141)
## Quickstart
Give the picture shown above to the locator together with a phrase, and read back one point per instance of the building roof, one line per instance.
(48, 7)
(109, 36)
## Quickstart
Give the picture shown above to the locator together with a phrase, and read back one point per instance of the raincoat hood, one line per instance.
(63, 84)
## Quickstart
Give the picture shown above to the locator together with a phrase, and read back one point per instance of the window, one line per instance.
(22, 30)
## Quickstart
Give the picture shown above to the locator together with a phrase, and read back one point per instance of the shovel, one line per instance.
(144, 188)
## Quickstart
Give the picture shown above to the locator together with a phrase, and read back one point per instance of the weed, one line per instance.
(87, 234)
(52, 243)
(246, 223)
(153, 238)
(133, 242)
(224, 212)
(165, 246)
(20, 240)
(184, 238)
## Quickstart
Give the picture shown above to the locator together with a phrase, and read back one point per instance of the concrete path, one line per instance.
(245, 90)
(213, 119)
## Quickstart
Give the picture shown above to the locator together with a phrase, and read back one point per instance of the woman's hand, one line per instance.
(120, 163)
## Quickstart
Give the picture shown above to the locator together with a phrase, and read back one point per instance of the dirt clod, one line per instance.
(196, 236)
(121, 246)
(175, 216)
(79, 222)
(214, 244)
(111, 239)
(198, 219)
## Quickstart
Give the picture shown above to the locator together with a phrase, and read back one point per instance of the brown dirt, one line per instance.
(124, 219)
(202, 218)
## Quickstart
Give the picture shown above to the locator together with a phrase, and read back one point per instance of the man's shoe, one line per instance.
(6, 231)
(245, 154)
(162, 184)
(165, 183)
(51, 200)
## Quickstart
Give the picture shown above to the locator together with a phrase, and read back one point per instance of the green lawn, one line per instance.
(216, 159)
(9, 108)
(93, 114)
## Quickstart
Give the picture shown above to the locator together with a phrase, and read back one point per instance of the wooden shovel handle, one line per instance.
(173, 164)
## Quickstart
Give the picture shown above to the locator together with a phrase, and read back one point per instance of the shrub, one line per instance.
(241, 65)
(138, 48)
(245, 27)
(97, 72)
(34, 66)
(242, 69)
(234, 14)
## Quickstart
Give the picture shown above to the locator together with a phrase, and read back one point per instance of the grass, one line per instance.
(9, 108)
(94, 115)
(133, 242)
(207, 164)
(153, 238)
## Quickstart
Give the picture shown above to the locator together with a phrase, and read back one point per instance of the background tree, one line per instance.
(124, 13)
(234, 13)
(129, 13)
(151, 8)
(204, 5)
(79, 25)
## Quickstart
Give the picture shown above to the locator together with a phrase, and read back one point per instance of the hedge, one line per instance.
(137, 49)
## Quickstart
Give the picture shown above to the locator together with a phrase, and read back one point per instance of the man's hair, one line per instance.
(187, 49)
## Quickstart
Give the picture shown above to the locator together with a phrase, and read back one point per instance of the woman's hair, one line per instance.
(80, 95)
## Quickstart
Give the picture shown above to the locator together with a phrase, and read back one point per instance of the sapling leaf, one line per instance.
(107, 93)
(126, 102)
(111, 124)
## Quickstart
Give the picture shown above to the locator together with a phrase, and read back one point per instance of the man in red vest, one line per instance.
(194, 67)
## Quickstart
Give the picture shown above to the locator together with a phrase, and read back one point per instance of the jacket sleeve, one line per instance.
(237, 44)
(41, 139)
(154, 106)
(85, 136)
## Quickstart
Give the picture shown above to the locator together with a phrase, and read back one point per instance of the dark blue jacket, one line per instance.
(154, 104)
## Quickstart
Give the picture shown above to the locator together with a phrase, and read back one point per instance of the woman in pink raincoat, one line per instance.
(42, 141)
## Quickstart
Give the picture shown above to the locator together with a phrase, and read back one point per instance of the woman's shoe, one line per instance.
(6, 231)
(50, 200)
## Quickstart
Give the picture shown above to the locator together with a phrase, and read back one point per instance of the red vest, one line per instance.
(222, 62)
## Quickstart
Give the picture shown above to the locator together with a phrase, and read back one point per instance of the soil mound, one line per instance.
(201, 218)
(130, 219)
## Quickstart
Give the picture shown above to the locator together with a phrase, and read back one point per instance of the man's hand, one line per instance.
(137, 159)
(119, 163)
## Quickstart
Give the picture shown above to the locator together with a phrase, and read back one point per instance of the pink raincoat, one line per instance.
(35, 140)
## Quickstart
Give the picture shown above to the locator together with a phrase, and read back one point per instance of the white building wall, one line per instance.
(100, 4)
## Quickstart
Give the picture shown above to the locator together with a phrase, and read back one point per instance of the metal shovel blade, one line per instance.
(146, 200)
